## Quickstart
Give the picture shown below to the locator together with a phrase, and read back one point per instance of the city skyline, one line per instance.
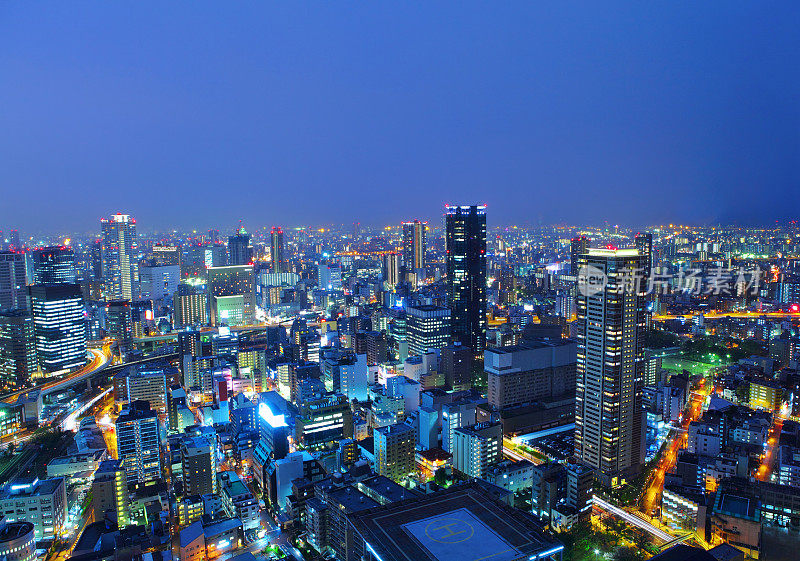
(399, 282)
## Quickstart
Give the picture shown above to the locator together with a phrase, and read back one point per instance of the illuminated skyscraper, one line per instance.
(391, 269)
(577, 247)
(610, 325)
(277, 247)
(120, 257)
(139, 443)
(644, 243)
(53, 265)
(166, 255)
(239, 250)
(414, 245)
(13, 281)
(59, 325)
(232, 294)
(427, 327)
(17, 348)
(465, 239)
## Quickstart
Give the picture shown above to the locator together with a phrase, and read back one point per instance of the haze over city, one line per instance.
(199, 115)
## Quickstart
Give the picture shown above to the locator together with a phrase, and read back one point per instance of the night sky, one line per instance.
(201, 114)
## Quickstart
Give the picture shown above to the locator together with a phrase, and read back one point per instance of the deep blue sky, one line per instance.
(289, 112)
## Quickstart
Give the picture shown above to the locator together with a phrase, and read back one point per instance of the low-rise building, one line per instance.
(477, 447)
(17, 541)
(209, 539)
(43, 503)
(237, 499)
(516, 477)
(736, 520)
(79, 466)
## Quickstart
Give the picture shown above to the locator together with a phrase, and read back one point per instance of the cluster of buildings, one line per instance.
(358, 389)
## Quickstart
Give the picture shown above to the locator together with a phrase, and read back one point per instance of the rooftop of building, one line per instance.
(737, 505)
(28, 487)
(136, 410)
(231, 484)
(385, 488)
(351, 499)
(94, 455)
(397, 428)
(217, 527)
(192, 532)
(463, 522)
(435, 455)
(14, 530)
(531, 344)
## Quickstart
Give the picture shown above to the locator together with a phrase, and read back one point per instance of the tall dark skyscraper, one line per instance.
(239, 250)
(465, 239)
(277, 249)
(644, 243)
(610, 366)
(414, 245)
(53, 265)
(577, 247)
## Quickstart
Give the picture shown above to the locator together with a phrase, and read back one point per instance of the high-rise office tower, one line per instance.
(456, 415)
(13, 281)
(465, 239)
(329, 276)
(195, 259)
(273, 432)
(150, 385)
(190, 306)
(277, 248)
(456, 366)
(577, 247)
(59, 325)
(239, 250)
(120, 257)
(53, 265)
(17, 348)
(119, 320)
(96, 259)
(391, 269)
(139, 442)
(166, 255)
(427, 327)
(644, 243)
(610, 324)
(157, 282)
(508, 284)
(414, 245)
(231, 291)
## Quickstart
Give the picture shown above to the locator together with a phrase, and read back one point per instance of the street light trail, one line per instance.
(635, 520)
